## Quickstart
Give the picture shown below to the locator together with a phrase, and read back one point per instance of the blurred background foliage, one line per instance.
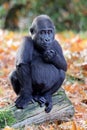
(66, 14)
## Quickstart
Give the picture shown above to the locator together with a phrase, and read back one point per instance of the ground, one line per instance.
(75, 51)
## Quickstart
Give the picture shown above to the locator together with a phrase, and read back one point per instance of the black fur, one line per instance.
(40, 68)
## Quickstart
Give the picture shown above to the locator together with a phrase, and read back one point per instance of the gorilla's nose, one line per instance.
(47, 40)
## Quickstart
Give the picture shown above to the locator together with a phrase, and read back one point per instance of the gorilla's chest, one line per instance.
(37, 61)
(36, 56)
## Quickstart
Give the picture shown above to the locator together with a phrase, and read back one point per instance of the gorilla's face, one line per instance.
(44, 37)
(42, 32)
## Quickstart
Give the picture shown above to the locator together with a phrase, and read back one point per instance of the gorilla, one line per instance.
(40, 65)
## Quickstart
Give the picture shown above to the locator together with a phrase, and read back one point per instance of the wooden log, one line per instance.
(34, 114)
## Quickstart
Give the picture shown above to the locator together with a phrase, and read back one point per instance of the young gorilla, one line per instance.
(40, 65)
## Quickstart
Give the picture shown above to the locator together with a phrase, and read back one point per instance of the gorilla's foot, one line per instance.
(40, 99)
(48, 107)
(48, 103)
(23, 101)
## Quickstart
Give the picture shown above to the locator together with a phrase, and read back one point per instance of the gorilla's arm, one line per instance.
(23, 59)
(24, 53)
(55, 56)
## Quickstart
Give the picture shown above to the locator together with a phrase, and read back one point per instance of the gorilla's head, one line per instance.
(42, 31)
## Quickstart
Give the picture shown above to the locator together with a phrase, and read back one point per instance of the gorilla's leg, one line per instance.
(24, 77)
(59, 82)
(14, 82)
(21, 82)
(46, 97)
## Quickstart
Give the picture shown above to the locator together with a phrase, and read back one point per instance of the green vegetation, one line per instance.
(6, 118)
(72, 79)
(65, 16)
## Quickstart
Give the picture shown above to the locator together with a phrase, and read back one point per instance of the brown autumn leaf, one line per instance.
(84, 66)
(8, 128)
(73, 126)
(84, 101)
(77, 47)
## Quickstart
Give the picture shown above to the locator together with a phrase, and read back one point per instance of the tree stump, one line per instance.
(34, 114)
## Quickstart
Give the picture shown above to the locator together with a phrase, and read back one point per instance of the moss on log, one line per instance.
(33, 114)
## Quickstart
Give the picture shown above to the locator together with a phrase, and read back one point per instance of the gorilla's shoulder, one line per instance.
(27, 42)
(27, 39)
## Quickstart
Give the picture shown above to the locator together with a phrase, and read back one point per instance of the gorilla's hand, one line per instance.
(49, 54)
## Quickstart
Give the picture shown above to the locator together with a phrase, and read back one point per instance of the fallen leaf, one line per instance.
(73, 126)
(8, 128)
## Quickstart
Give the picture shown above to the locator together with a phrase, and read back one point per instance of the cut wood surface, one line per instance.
(62, 110)
(34, 114)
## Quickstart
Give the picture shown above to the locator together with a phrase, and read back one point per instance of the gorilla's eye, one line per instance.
(42, 32)
(49, 31)
(45, 32)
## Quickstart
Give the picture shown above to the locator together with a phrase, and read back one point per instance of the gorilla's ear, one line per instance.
(32, 30)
